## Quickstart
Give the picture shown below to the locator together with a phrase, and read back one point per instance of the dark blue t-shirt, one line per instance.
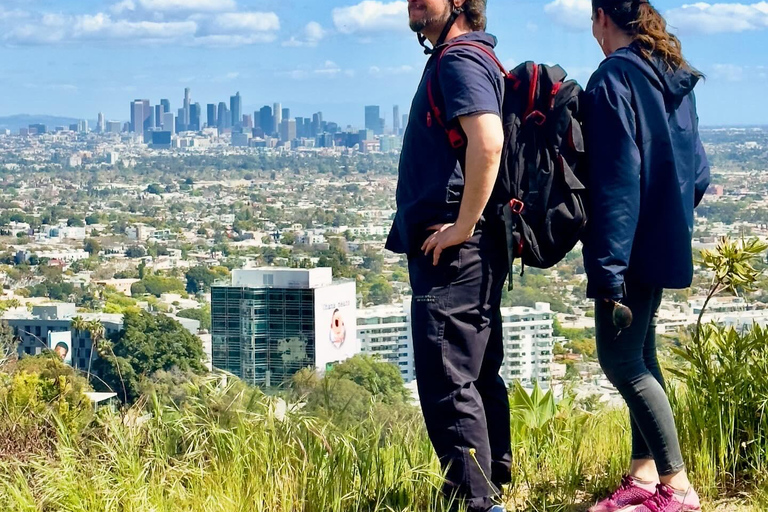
(430, 178)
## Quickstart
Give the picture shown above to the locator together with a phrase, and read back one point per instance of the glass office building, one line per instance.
(269, 323)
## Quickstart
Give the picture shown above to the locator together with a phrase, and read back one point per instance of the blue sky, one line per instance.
(78, 57)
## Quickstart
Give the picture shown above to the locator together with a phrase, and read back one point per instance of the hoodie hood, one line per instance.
(674, 84)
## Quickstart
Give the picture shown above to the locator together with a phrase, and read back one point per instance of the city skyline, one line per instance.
(71, 58)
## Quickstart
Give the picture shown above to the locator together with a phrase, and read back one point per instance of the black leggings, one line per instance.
(630, 362)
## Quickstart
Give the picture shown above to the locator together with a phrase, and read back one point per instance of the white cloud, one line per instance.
(101, 26)
(390, 71)
(728, 72)
(313, 33)
(371, 16)
(709, 18)
(223, 30)
(329, 69)
(188, 5)
(571, 14)
(124, 5)
(247, 22)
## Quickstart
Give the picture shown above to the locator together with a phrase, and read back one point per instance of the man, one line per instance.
(455, 243)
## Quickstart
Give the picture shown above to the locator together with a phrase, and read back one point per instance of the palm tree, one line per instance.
(104, 348)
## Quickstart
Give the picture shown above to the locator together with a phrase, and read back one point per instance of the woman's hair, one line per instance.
(474, 10)
(642, 21)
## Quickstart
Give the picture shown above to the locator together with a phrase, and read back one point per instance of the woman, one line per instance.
(647, 172)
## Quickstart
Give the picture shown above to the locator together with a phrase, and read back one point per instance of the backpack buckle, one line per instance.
(456, 139)
(537, 118)
(517, 206)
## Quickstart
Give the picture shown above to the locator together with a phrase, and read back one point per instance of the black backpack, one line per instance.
(544, 201)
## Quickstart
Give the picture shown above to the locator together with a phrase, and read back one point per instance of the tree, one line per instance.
(380, 378)
(202, 315)
(8, 343)
(75, 222)
(200, 279)
(92, 247)
(147, 344)
(156, 189)
(135, 251)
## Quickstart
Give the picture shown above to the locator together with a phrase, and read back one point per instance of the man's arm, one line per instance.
(485, 141)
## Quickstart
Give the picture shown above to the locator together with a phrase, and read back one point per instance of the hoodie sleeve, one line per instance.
(701, 162)
(614, 184)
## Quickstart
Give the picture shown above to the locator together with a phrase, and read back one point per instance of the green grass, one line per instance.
(229, 450)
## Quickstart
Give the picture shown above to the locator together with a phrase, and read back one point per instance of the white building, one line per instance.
(528, 344)
(385, 331)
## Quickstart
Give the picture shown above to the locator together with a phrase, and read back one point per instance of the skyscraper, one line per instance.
(101, 124)
(140, 116)
(267, 121)
(168, 123)
(257, 118)
(373, 120)
(247, 121)
(236, 109)
(211, 115)
(223, 116)
(159, 112)
(166, 105)
(277, 111)
(286, 113)
(288, 130)
(187, 104)
(396, 119)
(194, 117)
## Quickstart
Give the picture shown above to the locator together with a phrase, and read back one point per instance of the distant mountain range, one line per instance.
(24, 120)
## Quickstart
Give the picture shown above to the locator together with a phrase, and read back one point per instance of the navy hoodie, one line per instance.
(647, 172)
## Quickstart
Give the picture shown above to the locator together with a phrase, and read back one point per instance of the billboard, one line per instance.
(335, 324)
(61, 344)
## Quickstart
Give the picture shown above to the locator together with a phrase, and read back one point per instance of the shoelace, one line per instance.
(626, 484)
(660, 500)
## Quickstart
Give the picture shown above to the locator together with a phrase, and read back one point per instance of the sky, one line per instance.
(76, 58)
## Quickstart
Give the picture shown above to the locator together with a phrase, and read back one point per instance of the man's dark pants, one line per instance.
(458, 351)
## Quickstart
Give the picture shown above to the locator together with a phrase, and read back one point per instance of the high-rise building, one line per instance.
(113, 127)
(236, 109)
(82, 126)
(286, 113)
(139, 116)
(385, 332)
(528, 344)
(181, 125)
(152, 121)
(168, 123)
(101, 125)
(194, 117)
(373, 120)
(271, 322)
(211, 115)
(247, 122)
(396, 119)
(166, 105)
(288, 130)
(187, 105)
(267, 121)
(405, 121)
(316, 123)
(159, 111)
(225, 121)
(277, 111)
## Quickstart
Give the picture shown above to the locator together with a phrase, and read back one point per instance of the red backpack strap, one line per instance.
(455, 135)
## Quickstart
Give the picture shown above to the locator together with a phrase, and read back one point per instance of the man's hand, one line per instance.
(447, 235)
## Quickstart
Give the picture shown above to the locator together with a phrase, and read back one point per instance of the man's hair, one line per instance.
(474, 10)
(63, 345)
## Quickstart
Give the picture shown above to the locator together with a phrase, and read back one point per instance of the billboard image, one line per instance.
(61, 344)
(335, 320)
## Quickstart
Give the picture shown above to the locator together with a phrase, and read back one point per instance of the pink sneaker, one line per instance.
(627, 495)
(667, 499)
